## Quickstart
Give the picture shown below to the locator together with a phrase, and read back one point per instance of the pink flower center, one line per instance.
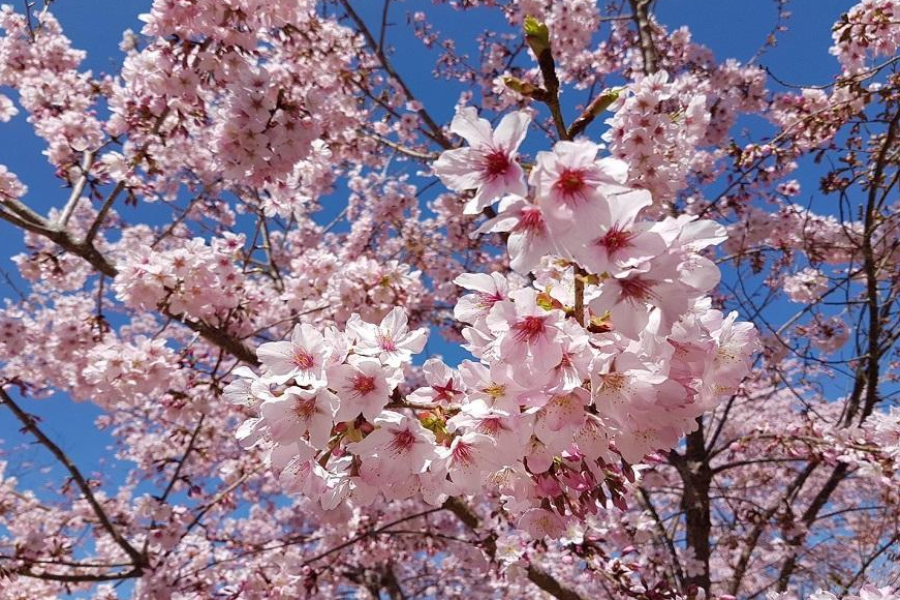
(363, 384)
(403, 442)
(490, 425)
(486, 300)
(496, 164)
(463, 453)
(305, 409)
(529, 329)
(387, 343)
(570, 182)
(304, 360)
(616, 240)
(531, 220)
(636, 289)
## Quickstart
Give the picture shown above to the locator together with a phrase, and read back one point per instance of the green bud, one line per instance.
(605, 100)
(520, 87)
(436, 424)
(547, 302)
(537, 35)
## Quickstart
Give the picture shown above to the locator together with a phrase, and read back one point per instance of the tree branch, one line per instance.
(641, 15)
(87, 162)
(437, 134)
(536, 574)
(29, 423)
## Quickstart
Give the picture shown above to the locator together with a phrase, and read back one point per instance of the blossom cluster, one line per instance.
(320, 379)
(126, 370)
(555, 398)
(884, 428)
(656, 130)
(10, 186)
(194, 279)
(868, 28)
(866, 592)
(323, 284)
(238, 109)
(59, 99)
(822, 237)
(805, 286)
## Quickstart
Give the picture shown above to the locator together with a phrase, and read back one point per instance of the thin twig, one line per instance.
(87, 162)
(30, 424)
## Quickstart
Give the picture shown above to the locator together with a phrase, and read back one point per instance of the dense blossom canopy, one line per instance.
(588, 336)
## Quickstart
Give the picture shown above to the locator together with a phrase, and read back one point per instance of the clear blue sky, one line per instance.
(731, 28)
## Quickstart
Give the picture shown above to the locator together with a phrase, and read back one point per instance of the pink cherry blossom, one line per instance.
(398, 448)
(488, 290)
(445, 386)
(489, 164)
(391, 341)
(526, 330)
(529, 239)
(362, 387)
(621, 243)
(806, 285)
(302, 359)
(540, 523)
(297, 412)
(469, 459)
(570, 185)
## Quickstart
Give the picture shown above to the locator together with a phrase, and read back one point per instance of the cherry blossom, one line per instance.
(489, 289)
(489, 164)
(298, 411)
(391, 341)
(445, 386)
(805, 286)
(571, 186)
(663, 366)
(303, 359)
(398, 448)
(529, 239)
(362, 386)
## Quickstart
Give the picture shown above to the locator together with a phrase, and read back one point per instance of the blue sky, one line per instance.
(731, 28)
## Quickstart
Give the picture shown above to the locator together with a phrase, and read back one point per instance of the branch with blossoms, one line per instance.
(29, 220)
(608, 434)
(138, 559)
(570, 378)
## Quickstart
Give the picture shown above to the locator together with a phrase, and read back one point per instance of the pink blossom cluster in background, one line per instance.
(493, 299)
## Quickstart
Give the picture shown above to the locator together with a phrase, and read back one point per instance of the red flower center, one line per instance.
(529, 328)
(490, 425)
(403, 441)
(363, 384)
(463, 453)
(304, 360)
(486, 300)
(570, 182)
(531, 220)
(636, 289)
(496, 164)
(445, 392)
(616, 240)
